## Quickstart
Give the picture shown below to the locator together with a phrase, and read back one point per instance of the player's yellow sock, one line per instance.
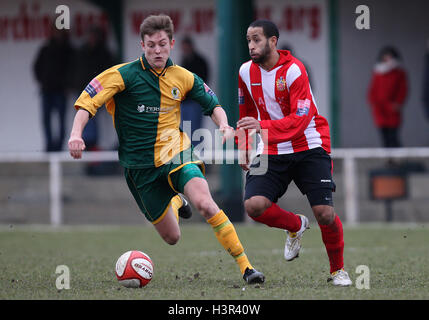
(227, 236)
(176, 204)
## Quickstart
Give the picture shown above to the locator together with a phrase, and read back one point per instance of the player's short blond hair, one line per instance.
(155, 23)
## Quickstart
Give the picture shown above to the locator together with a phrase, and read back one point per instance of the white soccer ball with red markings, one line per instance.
(134, 269)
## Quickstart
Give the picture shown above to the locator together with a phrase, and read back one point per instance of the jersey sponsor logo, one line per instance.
(93, 87)
(281, 84)
(150, 109)
(303, 107)
(141, 108)
(240, 96)
(175, 93)
(208, 90)
(255, 84)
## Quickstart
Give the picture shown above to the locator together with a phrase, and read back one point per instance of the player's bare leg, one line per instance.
(324, 214)
(168, 227)
(256, 205)
(197, 191)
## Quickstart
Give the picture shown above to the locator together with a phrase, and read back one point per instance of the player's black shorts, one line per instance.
(311, 171)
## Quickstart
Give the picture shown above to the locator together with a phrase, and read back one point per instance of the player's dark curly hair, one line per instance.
(268, 27)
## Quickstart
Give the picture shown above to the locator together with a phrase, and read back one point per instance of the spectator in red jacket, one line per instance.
(386, 95)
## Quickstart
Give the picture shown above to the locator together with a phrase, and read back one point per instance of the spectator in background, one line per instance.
(91, 59)
(52, 69)
(386, 95)
(426, 83)
(196, 63)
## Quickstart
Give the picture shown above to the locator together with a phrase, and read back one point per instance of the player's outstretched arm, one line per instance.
(76, 144)
(219, 117)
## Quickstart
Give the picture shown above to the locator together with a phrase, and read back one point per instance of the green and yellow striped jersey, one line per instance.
(145, 107)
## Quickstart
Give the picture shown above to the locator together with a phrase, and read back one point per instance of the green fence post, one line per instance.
(233, 18)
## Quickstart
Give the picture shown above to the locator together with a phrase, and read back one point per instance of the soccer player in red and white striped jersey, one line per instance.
(276, 101)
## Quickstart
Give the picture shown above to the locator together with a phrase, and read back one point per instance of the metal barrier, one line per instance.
(349, 157)
(55, 160)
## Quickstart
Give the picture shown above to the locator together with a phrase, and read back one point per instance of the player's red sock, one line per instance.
(276, 217)
(332, 236)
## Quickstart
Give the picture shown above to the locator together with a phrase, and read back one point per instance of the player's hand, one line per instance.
(244, 159)
(248, 123)
(76, 146)
(227, 132)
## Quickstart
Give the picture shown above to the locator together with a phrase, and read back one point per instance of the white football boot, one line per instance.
(293, 240)
(340, 278)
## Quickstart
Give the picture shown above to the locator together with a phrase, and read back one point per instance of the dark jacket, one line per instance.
(91, 61)
(196, 64)
(53, 64)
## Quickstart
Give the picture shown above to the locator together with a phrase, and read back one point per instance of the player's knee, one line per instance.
(256, 206)
(325, 215)
(172, 238)
(206, 207)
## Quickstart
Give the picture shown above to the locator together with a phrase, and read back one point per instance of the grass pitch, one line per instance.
(198, 267)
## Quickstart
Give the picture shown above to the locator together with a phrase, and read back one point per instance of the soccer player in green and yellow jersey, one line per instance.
(144, 99)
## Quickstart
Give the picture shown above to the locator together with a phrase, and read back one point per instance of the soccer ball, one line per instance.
(134, 269)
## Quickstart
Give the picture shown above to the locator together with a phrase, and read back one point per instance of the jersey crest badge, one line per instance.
(175, 93)
(281, 84)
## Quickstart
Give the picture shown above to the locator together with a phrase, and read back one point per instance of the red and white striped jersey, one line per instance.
(282, 101)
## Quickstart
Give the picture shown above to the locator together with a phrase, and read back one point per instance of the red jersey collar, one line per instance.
(284, 58)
